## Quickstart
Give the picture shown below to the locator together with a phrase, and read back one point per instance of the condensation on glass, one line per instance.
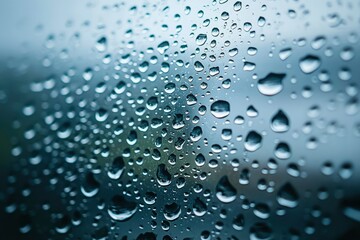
(180, 119)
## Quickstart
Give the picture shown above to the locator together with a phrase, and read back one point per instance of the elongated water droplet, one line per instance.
(163, 176)
(116, 168)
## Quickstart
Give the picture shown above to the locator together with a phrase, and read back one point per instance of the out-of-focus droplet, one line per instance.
(225, 191)
(121, 209)
(287, 196)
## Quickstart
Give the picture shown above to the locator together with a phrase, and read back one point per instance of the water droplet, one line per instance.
(198, 66)
(199, 207)
(220, 109)
(309, 63)
(116, 168)
(271, 84)
(201, 39)
(285, 53)
(261, 231)
(196, 134)
(101, 115)
(163, 176)
(249, 66)
(280, 122)
(90, 186)
(253, 141)
(162, 47)
(238, 222)
(282, 151)
(172, 211)
(121, 209)
(225, 192)
(262, 210)
(287, 196)
(101, 44)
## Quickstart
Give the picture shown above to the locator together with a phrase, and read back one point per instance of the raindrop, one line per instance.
(280, 122)
(101, 44)
(271, 84)
(220, 109)
(163, 176)
(198, 66)
(201, 39)
(116, 168)
(282, 151)
(172, 211)
(253, 141)
(309, 63)
(225, 192)
(287, 196)
(121, 209)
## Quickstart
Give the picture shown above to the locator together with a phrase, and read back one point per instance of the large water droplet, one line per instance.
(199, 207)
(196, 134)
(238, 222)
(163, 176)
(220, 109)
(309, 63)
(288, 196)
(282, 151)
(90, 186)
(198, 66)
(260, 231)
(271, 84)
(253, 141)
(162, 47)
(172, 211)
(101, 44)
(225, 192)
(121, 209)
(201, 39)
(116, 168)
(280, 122)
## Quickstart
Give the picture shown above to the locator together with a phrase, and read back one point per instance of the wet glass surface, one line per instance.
(180, 119)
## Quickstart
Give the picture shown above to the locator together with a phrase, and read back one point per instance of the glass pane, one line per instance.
(215, 119)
